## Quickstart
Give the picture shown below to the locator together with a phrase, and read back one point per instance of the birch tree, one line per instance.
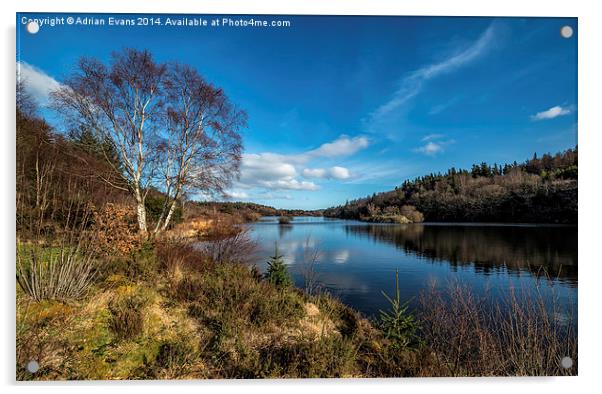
(122, 102)
(201, 150)
(173, 131)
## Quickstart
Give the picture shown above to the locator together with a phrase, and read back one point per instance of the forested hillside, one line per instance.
(540, 190)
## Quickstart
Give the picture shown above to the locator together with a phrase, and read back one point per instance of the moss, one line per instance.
(116, 280)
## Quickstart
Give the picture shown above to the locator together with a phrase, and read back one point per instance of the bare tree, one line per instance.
(201, 147)
(123, 103)
(172, 130)
(26, 104)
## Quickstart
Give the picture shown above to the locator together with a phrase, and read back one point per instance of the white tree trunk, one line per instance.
(140, 211)
(169, 215)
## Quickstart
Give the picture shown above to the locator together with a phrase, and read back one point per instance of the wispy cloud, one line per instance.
(552, 113)
(413, 83)
(391, 171)
(430, 148)
(36, 82)
(434, 144)
(437, 109)
(430, 137)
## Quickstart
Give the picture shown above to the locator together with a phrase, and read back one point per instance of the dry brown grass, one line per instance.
(176, 256)
(192, 228)
(519, 335)
(235, 248)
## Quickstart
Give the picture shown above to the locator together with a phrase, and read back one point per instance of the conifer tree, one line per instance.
(277, 272)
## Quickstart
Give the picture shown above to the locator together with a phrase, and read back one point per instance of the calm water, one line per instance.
(357, 261)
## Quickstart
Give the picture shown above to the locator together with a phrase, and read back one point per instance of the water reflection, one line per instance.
(357, 261)
(540, 250)
(283, 229)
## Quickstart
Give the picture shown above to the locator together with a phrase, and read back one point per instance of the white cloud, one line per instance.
(342, 146)
(314, 173)
(435, 144)
(266, 166)
(335, 172)
(341, 256)
(551, 113)
(239, 195)
(275, 171)
(430, 148)
(412, 84)
(340, 172)
(271, 171)
(36, 82)
(289, 184)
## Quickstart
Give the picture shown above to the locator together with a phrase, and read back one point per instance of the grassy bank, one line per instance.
(170, 310)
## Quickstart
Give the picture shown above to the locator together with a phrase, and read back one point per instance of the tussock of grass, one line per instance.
(127, 312)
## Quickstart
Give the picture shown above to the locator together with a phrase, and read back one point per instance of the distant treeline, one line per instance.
(540, 190)
(247, 210)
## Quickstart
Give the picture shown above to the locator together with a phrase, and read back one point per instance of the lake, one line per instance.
(357, 261)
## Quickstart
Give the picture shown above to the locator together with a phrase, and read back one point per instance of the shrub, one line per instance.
(174, 356)
(127, 318)
(140, 264)
(396, 219)
(332, 357)
(174, 255)
(410, 212)
(222, 226)
(172, 360)
(276, 307)
(277, 273)
(350, 320)
(250, 216)
(327, 357)
(238, 248)
(285, 220)
(189, 288)
(116, 230)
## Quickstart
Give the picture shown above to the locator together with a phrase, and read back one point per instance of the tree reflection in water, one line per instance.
(535, 249)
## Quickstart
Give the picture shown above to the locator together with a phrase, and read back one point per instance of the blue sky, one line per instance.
(341, 107)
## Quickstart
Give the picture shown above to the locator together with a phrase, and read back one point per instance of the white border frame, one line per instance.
(590, 28)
